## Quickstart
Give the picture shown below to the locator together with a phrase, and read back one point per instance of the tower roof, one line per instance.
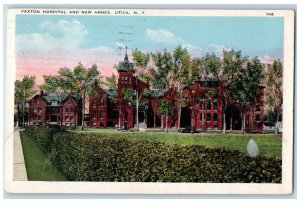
(126, 66)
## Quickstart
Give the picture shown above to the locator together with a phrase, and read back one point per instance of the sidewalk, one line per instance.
(19, 170)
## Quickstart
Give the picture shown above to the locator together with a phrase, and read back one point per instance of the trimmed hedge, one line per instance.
(85, 157)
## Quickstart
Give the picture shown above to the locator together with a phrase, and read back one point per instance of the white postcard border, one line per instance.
(158, 188)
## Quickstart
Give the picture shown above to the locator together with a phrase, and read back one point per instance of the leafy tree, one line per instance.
(78, 82)
(274, 97)
(141, 62)
(180, 76)
(24, 89)
(56, 84)
(231, 73)
(213, 67)
(165, 109)
(112, 82)
(246, 86)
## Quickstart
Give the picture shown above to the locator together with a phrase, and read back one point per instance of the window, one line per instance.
(39, 117)
(53, 102)
(67, 118)
(71, 118)
(208, 105)
(202, 117)
(257, 107)
(102, 102)
(66, 109)
(215, 104)
(39, 110)
(94, 115)
(215, 117)
(257, 117)
(202, 105)
(94, 103)
(34, 110)
(208, 117)
(38, 101)
(71, 110)
(101, 114)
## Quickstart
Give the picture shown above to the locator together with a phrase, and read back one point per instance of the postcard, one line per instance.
(149, 101)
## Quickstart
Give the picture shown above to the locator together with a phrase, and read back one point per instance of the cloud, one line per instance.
(266, 59)
(62, 34)
(162, 35)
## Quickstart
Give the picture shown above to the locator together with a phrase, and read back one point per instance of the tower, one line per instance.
(126, 71)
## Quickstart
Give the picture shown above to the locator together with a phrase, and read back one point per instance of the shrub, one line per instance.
(42, 136)
(86, 157)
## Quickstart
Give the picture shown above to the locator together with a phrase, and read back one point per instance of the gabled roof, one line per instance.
(49, 97)
(111, 92)
(58, 98)
(157, 93)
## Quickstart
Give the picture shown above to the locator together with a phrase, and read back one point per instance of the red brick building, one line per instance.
(108, 108)
(54, 108)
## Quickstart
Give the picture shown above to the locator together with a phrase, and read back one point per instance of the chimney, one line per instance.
(42, 92)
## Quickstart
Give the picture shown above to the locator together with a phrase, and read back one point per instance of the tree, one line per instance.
(165, 109)
(246, 86)
(231, 70)
(180, 76)
(78, 82)
(142, 61)
(274, 97)
(213, 67)
(24, 89)
(111, 82)
(56, 84)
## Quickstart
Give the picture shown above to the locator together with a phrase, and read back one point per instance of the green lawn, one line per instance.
(38, 165)
(269, 145)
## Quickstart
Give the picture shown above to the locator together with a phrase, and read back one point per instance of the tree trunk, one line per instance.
(83, 112)
(167, 123)
(23, 114)
(231, 120)
(242, 122)
(179, 117)
(120, 118)
(192, 115)
(61, 115)
(137, 110)
(18, 120)
(161, 122)
(224, 123)
(276, 124)
(154, 120)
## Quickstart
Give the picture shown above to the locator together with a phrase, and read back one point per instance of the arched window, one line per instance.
(102, 102)
(257, 117)
(202, 105)
(215, 104)
(208, 117)
(215, 117)
(209, 105)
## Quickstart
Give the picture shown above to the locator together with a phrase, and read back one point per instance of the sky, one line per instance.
(44, 44)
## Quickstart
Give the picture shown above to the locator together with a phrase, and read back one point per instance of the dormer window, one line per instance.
(53, 102)
(102, 102)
